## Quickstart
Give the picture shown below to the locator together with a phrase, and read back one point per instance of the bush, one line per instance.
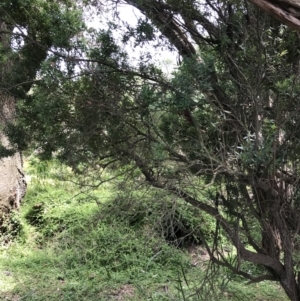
(176, 222)
(11, 227)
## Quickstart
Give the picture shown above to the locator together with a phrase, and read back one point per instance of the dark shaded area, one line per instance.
(35, 215)
(10, 227)
(176, 222)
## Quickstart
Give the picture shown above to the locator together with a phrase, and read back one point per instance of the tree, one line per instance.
(28, 31)
(286, 11)
(225, 125)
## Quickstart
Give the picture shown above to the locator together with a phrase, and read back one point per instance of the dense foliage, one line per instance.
(28, 31)
(221, 133)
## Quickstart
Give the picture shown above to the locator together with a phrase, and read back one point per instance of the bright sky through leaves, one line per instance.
(162, 57)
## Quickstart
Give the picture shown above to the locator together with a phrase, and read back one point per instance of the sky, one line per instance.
(166, 59)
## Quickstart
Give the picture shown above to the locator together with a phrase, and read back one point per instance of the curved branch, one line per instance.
(284, 11)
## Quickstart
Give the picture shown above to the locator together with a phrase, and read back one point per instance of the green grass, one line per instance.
(71, 247)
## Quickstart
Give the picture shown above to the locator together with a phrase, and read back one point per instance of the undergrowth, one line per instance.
(111, 244)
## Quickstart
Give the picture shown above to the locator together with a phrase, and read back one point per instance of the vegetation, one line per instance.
(70, 247)
(29, 30)
(286, 11)
(219, 137)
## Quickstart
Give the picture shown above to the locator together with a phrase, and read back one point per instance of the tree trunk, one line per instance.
(12, 180)
(12, 183)
(289, 284)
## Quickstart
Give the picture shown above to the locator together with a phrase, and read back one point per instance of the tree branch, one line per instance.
(279, 13)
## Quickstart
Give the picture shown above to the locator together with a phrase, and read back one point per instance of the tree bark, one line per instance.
(286, 11)
(12, 179)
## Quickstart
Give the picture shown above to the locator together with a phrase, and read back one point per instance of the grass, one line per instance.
(71, 247)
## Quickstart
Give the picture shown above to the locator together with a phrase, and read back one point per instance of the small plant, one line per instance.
(35, 215)
(176, 222)
(10, 227)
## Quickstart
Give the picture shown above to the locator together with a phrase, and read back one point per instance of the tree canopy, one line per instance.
(32, 29)
(221, 133)
(29, 30)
